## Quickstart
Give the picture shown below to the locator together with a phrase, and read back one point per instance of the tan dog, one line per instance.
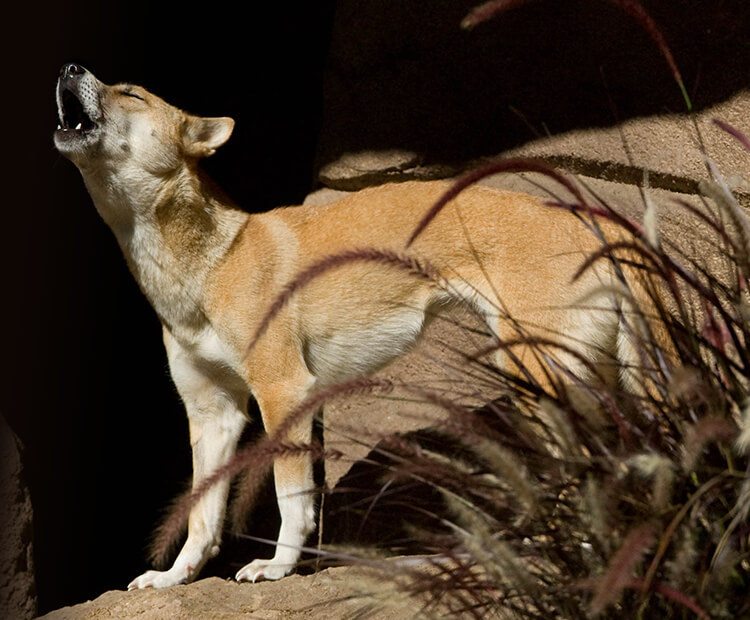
(212, 271)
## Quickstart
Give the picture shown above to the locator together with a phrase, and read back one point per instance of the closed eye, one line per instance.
(133, 95)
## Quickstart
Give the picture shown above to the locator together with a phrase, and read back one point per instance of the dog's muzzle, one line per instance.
(77, 106)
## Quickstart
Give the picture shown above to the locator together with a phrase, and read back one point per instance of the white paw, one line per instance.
(264, 569)
(158, 579)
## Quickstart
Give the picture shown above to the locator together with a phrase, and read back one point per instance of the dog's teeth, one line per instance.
(59, 126)
(78, 126)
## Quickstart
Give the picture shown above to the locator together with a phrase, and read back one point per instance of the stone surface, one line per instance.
(673, 149)
(354, 171)
(17, 585)
(332, 593)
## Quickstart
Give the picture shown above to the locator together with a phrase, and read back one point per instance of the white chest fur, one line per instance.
(174, 286)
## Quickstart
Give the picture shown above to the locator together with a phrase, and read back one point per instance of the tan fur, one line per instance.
(212, 272)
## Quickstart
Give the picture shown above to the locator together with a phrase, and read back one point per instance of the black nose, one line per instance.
(71, 70)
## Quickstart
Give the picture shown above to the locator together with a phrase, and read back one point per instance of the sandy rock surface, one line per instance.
(339, 592)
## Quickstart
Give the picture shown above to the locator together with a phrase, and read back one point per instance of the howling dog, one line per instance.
(212, 271)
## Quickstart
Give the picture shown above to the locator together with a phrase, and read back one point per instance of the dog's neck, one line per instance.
(173, 232)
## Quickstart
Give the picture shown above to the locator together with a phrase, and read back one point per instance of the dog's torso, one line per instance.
(357, 316)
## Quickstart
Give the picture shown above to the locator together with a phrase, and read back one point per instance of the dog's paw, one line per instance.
(264, 569)
(158, 579)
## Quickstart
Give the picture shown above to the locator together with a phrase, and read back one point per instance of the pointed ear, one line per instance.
(203, 136)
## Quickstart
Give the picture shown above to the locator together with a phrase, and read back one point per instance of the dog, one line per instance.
(211, 272)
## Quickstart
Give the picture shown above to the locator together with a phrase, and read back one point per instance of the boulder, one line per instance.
(340, 592)
(17, 585)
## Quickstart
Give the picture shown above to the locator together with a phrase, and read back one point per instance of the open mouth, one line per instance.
(71, 114)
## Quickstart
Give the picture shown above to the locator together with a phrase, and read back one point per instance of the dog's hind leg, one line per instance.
(216, 414)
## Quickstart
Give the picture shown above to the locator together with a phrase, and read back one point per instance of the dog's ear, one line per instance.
(203, 136)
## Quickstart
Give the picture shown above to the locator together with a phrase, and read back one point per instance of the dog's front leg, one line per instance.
(216, 416)
(293, 475)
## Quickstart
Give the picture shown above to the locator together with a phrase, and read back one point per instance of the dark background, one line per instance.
(85, 381)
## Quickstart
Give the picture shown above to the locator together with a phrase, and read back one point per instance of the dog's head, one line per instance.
(128, 129)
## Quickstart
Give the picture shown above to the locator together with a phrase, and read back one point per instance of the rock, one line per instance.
(666, 146)
(17, 585)
(353, 171)
(323, 196)
(410, 80)
(332, 593)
